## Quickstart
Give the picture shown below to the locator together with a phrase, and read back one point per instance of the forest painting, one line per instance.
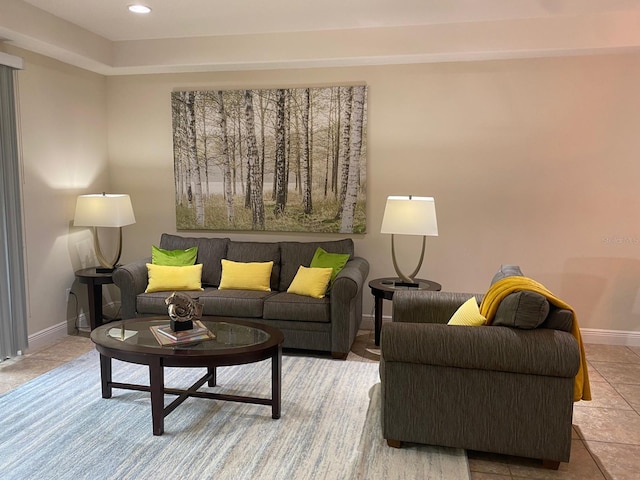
(289, 160)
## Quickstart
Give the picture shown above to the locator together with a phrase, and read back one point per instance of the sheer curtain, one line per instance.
(13, 311)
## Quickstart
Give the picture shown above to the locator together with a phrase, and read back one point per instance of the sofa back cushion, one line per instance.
(257, 252)
(294, 254)
(210, 253)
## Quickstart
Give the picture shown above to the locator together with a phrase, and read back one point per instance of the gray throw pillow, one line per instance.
(523, 309)
(506, 271)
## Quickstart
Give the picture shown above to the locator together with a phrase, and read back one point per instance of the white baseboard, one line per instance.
(46, 337)
(589, 335)
(50, 335)
(610, 337)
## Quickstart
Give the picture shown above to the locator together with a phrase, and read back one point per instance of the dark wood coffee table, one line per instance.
(237, 342)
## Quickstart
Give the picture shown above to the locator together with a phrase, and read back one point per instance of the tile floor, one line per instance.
(606, 431)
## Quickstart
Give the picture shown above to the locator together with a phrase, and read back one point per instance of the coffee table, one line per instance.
(237, 342)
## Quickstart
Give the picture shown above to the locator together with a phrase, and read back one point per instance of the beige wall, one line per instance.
(532, 162)
(64, 153)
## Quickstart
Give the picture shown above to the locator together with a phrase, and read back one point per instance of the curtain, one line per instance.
(13, 303)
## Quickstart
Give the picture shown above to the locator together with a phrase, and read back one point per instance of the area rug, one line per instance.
(59, 427)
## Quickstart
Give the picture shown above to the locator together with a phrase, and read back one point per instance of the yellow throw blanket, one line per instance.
(502, 288)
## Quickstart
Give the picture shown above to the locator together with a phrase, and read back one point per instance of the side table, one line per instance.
(94, 281)
(384, 288)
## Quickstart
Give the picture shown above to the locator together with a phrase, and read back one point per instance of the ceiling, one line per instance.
(103, 36)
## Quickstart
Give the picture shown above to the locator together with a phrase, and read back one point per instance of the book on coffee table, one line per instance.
(166, 336)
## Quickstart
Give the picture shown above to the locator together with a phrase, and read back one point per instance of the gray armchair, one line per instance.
(492, 388)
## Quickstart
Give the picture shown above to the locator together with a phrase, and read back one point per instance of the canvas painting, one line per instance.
(288, 160)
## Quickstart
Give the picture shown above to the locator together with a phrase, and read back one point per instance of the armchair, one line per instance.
(493, 388)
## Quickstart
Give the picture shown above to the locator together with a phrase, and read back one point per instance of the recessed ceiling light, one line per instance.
(139, 8)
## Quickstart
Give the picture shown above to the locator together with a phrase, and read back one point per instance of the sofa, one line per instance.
(506, 388)
(327, 324)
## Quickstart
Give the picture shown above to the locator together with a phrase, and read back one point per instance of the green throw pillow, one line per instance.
(173, 258)
(324, 259)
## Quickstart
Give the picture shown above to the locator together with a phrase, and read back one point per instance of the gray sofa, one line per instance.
(327, 324)
(489, 388)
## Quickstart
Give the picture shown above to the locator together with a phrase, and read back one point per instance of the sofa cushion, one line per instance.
(164, 278)
(233, 303)
(558, 319)
(210, 252)
(154, 303)
(257, 252)
(289, 306)
(523, 309)
(312, 282)
(177, 258)
(294, 254)
(245, 275)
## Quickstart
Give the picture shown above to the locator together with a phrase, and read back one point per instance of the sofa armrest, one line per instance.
(537, 352)
(132, 280)
(424, 306)
(346, 303)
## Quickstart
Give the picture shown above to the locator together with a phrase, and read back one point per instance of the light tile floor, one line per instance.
(606, 431)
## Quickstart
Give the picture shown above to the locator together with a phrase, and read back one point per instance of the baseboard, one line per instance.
(610, 337)
(46, 337)
(50, 335)
(589, 335)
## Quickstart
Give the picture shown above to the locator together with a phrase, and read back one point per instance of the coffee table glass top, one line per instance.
(138, 333)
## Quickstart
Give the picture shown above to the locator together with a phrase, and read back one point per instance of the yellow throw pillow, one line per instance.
(311, 282)
(163, 278)
(246, 276)
(468, 314)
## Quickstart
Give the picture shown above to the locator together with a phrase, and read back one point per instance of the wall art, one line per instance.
(287, 159)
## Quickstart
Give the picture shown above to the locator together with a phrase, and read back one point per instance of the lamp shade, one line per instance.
(103, 210)
(409, 215)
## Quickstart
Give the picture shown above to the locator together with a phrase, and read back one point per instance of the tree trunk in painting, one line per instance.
(226, 161)
(305, 168)
(351, 197)
(256, 201)
(344, 151)
(193, 158)
(336, 153)
(280, 169)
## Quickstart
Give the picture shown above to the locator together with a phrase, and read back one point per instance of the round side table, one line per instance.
(94, 281)
(384, 288)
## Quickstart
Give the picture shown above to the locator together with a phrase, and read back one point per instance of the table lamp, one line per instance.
(409, 215)
(104, 210)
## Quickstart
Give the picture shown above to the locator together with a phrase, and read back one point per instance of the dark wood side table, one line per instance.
(94, 282)
(384, 288)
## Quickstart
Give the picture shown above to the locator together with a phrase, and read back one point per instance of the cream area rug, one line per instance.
(59, 427)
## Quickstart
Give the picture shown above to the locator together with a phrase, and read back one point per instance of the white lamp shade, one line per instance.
(409, 215)
(104, 210)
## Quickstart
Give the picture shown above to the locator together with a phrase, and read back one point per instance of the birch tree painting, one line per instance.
(271, 160)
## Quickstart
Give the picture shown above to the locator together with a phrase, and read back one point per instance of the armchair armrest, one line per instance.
(132, 280)
(538, 352)
(423, 306)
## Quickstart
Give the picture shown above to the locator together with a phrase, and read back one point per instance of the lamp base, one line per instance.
(406, 284)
